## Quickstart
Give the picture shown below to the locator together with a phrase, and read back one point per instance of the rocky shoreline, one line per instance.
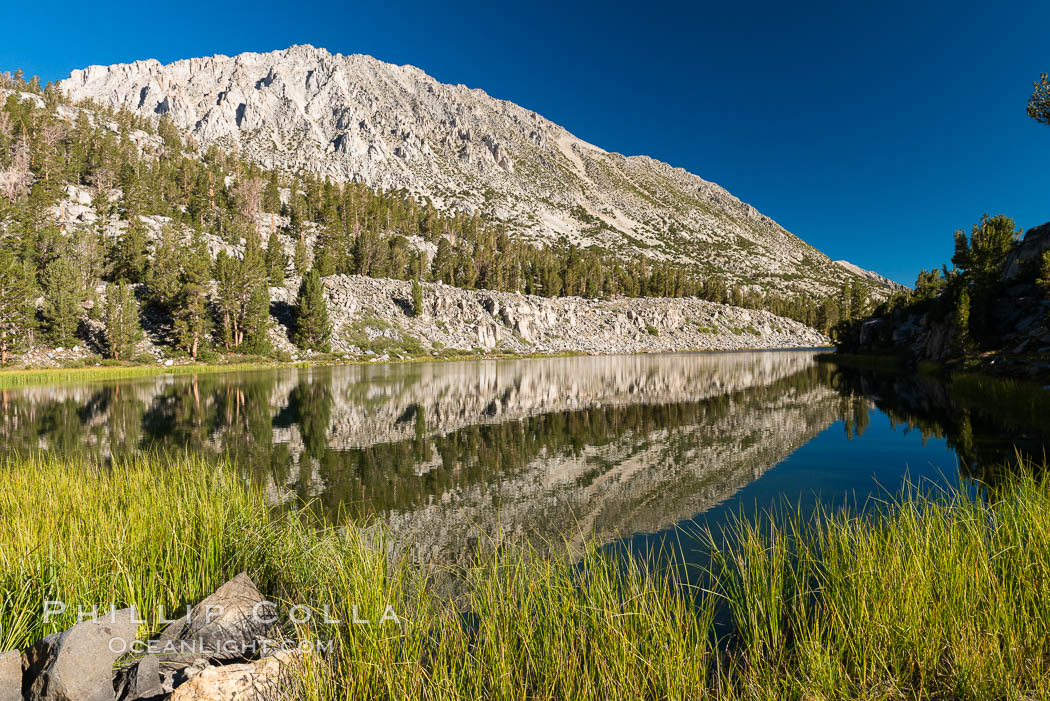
(375, 318)
(1013, 329)
(229, 646)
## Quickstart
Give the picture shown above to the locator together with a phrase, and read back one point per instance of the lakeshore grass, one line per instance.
(25, 377)
(931, 597)
(15, 377)
(1018, 404)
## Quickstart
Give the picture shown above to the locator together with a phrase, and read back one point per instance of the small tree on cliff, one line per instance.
(982, 257)
(312, 329)
(417, 298)
(961, 323)
(1044, 273)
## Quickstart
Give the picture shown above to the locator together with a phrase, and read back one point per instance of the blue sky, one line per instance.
(872, 130)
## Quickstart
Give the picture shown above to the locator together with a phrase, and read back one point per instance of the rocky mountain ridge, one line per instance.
(354, 118)
(872, 275)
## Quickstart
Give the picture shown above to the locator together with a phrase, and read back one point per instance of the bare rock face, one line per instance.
(354, 118)
(366, 311)
(77, 664)
(1036, 241)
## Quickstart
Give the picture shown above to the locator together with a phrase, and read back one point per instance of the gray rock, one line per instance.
(514, 323)
(1035, 242)
(870, 275)
(228, 624)
(140, 680)
(11, 676)
(77, 664)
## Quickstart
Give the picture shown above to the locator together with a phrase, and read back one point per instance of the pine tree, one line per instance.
(122, 321)
(16, 311)
(272, 194)
(276, 260)
(858, 301)
(228, 273)
(163, 277)
(256, 309)
(371, 255)
(928, 284)
(312, 329)
(63, 298)
(846, 301)
(961, 322)
(192, 324)
(257, 321)
(417, 298)
(442, 266)
(129, 257)
(243, 299)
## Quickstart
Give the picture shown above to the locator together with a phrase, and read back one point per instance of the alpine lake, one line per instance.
(641, 452)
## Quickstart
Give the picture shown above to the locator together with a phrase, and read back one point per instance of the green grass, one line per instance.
(935, 598)
(56, 376)
(1016, 403)
(943, 598)
(372, 335)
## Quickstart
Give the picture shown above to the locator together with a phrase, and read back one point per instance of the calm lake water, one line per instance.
(625, 449)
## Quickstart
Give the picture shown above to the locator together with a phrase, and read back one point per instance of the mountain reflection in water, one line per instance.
(604, 447)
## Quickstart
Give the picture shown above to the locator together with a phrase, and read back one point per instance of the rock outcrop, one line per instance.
(10, 676)
(268, 679)
(374, 318)
(1008, 325)
(1029, 253)
(354, 118)
(235, 611)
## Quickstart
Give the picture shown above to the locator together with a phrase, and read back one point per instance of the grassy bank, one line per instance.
(934, 599)
(1017, 403)
(24, 377)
